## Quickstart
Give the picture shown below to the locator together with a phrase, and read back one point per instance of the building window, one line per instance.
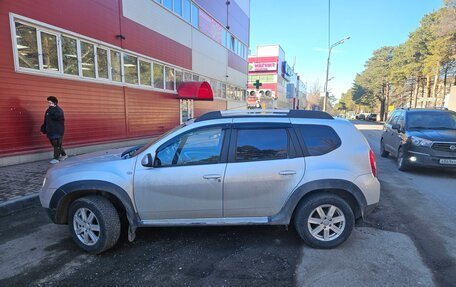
(145, 73)
(177, 7)
(169, 72)
(53, 52)
(179, 78)
(158, 76)
(49, 52)
(130, 65)
(168, 4)
(195, 15)
(87, 60)
(187, 77)
(27, 48)
(102, 63)
(224, 37)
(186, 10)
(116, 66)
(70, 56)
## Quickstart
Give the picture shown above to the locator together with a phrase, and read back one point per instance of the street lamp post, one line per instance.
(325, 99)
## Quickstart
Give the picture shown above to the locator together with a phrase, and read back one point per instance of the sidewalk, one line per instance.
(20, 184)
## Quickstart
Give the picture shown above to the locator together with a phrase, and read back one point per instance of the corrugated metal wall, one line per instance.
(95, 112)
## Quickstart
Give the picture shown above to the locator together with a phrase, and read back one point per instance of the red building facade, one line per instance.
(115, 66)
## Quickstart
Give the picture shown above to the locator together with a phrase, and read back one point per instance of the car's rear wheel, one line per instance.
(94, 223)
(383, 152)
(324, 221)
(402, 161)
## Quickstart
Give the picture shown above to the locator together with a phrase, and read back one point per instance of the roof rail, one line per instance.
(307, 114)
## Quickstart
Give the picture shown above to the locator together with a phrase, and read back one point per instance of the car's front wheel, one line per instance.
(383, 152)
(324, 221)
(94, 223)
(401, 160)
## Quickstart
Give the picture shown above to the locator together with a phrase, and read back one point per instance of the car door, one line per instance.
(396, 137)
(264, 167)
(186, 180)
(389, 132)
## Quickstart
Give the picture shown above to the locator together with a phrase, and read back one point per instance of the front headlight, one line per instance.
(417, 141)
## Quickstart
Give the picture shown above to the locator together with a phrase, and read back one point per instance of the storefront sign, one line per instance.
(260, 67)
(287, 72)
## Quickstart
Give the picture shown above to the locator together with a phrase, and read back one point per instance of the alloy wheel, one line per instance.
(86, 226)
(326, 222)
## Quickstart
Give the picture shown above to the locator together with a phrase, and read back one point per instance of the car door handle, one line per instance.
(287, 172)
(212, 176)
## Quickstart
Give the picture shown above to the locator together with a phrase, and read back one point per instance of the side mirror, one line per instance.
(147, 161)
(396, 127)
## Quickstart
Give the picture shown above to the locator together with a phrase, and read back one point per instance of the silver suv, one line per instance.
(224, 168)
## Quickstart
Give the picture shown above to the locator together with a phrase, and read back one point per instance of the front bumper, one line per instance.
(426, 160)
(51, 212)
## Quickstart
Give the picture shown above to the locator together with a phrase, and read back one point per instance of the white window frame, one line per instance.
(123, 70)
(61, 55)
(47, 28)
(94, 56)
(108, 62)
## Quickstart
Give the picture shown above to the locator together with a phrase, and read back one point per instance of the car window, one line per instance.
(394, 119)
(390, 118)
(202, 146)
(400, 119)
(318, 139)
(261, 144)
(431, 120)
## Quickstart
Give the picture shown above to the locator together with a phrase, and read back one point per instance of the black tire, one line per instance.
(105, 216)
(307, 208)
(401, 161)
(383, 152)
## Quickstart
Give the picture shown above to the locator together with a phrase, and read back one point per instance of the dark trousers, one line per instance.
(57, 145)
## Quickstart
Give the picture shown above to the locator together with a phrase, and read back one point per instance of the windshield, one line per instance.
(431, 120)
(160, 137)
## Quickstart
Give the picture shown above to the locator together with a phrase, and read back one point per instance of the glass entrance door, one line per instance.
(186, 110)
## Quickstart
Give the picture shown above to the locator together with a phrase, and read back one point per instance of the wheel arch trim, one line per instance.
(67, 193)
(328, 185)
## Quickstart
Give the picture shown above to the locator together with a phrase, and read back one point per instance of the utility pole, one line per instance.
(325, 99)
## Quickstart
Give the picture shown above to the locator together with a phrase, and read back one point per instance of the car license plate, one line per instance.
(447, 161)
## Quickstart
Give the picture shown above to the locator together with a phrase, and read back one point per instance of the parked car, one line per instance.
(371, 117)
(225, 168)
(420, 137)
(361, 117)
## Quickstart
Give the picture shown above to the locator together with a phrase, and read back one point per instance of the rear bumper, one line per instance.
(370, 187)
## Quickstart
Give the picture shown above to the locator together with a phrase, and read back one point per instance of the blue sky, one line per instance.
(301, 28)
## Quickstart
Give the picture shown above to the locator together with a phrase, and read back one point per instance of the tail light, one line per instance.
(373, 163)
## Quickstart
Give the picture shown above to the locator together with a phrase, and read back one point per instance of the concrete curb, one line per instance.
(18, 204)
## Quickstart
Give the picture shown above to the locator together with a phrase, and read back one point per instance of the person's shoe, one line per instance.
(63, 157)
(54, 161)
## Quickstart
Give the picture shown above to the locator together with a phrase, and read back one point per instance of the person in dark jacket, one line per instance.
(54, 127)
